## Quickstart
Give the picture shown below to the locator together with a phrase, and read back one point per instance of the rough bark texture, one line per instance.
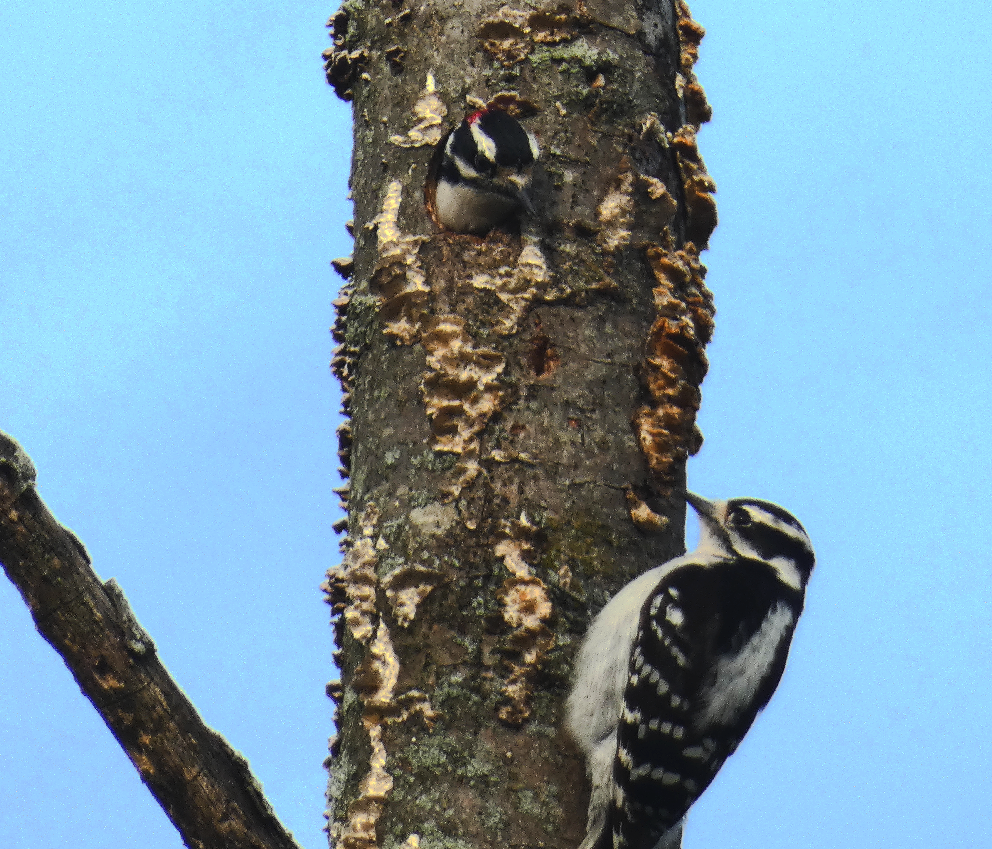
(204, 786)
(521, 406)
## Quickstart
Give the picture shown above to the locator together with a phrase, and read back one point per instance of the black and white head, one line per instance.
(485, 170)
(756, 530)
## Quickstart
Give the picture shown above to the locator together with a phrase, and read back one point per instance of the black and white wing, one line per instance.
(711, 646)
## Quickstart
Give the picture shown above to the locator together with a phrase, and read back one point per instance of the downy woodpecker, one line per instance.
(484, 172)
(677, 665)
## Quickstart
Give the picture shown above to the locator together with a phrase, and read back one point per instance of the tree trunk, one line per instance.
(521, 405)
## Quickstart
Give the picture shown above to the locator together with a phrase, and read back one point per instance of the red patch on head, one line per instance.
(475, 116)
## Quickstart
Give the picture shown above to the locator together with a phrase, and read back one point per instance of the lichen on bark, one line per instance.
(521, 406)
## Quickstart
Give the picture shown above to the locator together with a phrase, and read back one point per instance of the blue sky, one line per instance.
(173, 181)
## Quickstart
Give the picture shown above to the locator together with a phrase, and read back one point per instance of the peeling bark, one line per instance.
(521, 405)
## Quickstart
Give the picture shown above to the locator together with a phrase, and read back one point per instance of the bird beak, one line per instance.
(705, 509)
(712, 534)
(518, 186)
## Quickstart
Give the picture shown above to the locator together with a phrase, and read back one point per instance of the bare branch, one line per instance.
(205, 787)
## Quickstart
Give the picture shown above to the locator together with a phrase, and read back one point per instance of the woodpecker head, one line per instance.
(756, 530)
(484, 172)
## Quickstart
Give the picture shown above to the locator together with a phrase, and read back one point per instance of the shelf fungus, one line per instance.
(399, 280)
(351, 586)
(375, 681)
(616, 212)
(526, 609)
(461, 390)
(364, 812)
(643, 516)
(353, 590)
(675, 362)
(691, 34)
(407, 587)
(430, 112)
(509, 35)
(698, 186)
(341, 65)
(517, 287)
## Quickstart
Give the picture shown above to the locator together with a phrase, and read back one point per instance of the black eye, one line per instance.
(740, 518)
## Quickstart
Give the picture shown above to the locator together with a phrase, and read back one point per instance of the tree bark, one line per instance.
(203, 785)
(521, 405)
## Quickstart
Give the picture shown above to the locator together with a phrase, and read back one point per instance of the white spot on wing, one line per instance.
(673, 649)
(633, 717)
(640, 772)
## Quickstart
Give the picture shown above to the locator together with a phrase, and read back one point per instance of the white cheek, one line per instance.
(787, 572)
(785, 567)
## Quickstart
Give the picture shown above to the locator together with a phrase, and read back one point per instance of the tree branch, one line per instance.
(204, 786)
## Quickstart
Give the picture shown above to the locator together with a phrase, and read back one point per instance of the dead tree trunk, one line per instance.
(521, 406)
